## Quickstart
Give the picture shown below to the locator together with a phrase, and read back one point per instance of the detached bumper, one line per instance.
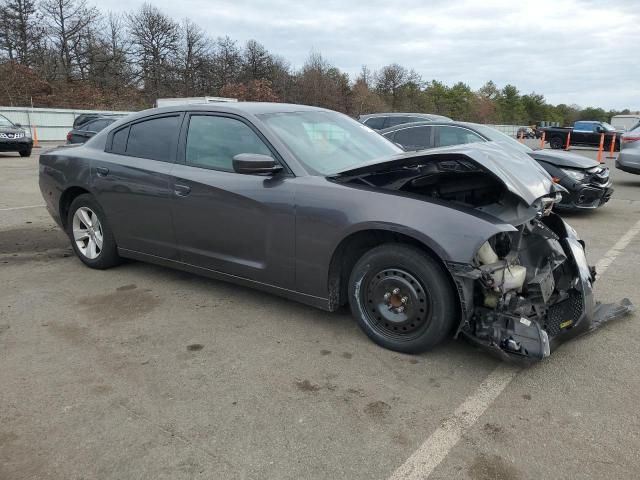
(512, 335)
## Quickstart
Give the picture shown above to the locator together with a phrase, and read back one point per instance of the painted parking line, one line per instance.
(435, 449)
(9, 209)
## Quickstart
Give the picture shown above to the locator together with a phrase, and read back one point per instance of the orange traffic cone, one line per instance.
(34, 131)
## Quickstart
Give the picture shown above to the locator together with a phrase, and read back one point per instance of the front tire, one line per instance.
(25, 153)
(90, 234)
(402, 298)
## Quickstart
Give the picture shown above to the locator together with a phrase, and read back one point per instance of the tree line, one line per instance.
(69, 54)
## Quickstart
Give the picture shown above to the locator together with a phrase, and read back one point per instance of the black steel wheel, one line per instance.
(402, 298)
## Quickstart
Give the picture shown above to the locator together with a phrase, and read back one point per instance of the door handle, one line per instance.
(181, 190)
(102, 171)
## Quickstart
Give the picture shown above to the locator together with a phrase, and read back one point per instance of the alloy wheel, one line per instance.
(87, 232)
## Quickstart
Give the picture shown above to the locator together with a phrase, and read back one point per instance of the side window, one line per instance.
(455, 136)
(212, 142)
(584, 127)
(119, 142)
(375, 123)
(154, 139)
(415, 138)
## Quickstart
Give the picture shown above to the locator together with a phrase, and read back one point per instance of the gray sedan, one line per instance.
(311, 205)
(629, 158)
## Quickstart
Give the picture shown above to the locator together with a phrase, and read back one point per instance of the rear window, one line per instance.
(376, 123)
(414, 138)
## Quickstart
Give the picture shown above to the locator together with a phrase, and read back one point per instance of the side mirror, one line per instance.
(255, 164)
(600, 129)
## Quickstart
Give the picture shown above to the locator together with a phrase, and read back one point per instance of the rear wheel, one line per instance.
(90, 234)
(402, 298)
(556, 142)
(25, 153)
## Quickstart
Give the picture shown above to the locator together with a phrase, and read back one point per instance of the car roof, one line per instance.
(402, 114)
(246, 108)
(443, 123)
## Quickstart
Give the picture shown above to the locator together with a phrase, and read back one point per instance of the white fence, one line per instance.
(50, 123)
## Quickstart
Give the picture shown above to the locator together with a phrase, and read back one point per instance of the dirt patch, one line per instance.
(125, 288)
(325, 352)
(306, 386)
(102, 389)
(23, 245)
(347, 355)
(526, 396)
(195, 347)
(119, 305)
(493, 430)
(401, 439)
(492, 467)
(378, 409)
(71, 332)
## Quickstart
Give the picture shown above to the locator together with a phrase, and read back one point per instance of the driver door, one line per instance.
(238, 224)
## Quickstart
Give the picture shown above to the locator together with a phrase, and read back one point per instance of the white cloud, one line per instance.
(572, 51)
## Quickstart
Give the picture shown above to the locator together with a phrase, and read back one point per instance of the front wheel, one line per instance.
(25, 153)
(402, 298)
(90, 234)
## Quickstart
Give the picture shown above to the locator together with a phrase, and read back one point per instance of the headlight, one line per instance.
(577, 175)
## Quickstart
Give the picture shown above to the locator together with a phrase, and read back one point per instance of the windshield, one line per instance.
(501, 138)
(608, 127)
(5, 122)
(328, 142)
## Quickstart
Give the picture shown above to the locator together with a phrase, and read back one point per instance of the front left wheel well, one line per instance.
(351, 249)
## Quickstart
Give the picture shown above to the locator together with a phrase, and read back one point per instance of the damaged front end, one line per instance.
(531, 290)
(527, 288)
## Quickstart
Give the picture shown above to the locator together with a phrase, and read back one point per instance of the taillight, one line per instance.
(69, 137)
(635, 138)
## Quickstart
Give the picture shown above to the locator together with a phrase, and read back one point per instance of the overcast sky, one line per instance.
(573, 51)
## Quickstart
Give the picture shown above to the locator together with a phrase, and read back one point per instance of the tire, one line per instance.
(412, 320)
(25, 153)
(556, 143)
(83, 212)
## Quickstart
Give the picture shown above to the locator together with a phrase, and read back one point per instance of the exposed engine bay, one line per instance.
(524, 291)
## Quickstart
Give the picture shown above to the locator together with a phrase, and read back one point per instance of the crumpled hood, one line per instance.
(564, 159)
(521, 174)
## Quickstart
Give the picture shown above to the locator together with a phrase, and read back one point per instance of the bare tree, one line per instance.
(227, 63)
(256, 61)
(155, 39)
(195, 51)
(69, 23)
(20, 30)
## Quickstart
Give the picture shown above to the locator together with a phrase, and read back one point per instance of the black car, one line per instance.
(305, 203)
(379, 121)
(586, 181)
(87, 117)
(14, 138)
(87, 130)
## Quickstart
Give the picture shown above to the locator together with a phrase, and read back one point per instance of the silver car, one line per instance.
(629, 157)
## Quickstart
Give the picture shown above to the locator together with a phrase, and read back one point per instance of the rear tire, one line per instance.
(90, 233)
(25, 153)
(556, 143)
(402, 298)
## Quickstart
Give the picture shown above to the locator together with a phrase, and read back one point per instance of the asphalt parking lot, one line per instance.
(148, 373)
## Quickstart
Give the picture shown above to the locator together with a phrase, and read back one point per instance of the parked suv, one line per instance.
(378, 121)
(14, 138)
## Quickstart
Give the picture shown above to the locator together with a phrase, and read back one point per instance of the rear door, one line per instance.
(582, 133)
(132, 182)
(242, 225)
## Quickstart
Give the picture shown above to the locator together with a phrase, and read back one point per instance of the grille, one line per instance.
(560, 313)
